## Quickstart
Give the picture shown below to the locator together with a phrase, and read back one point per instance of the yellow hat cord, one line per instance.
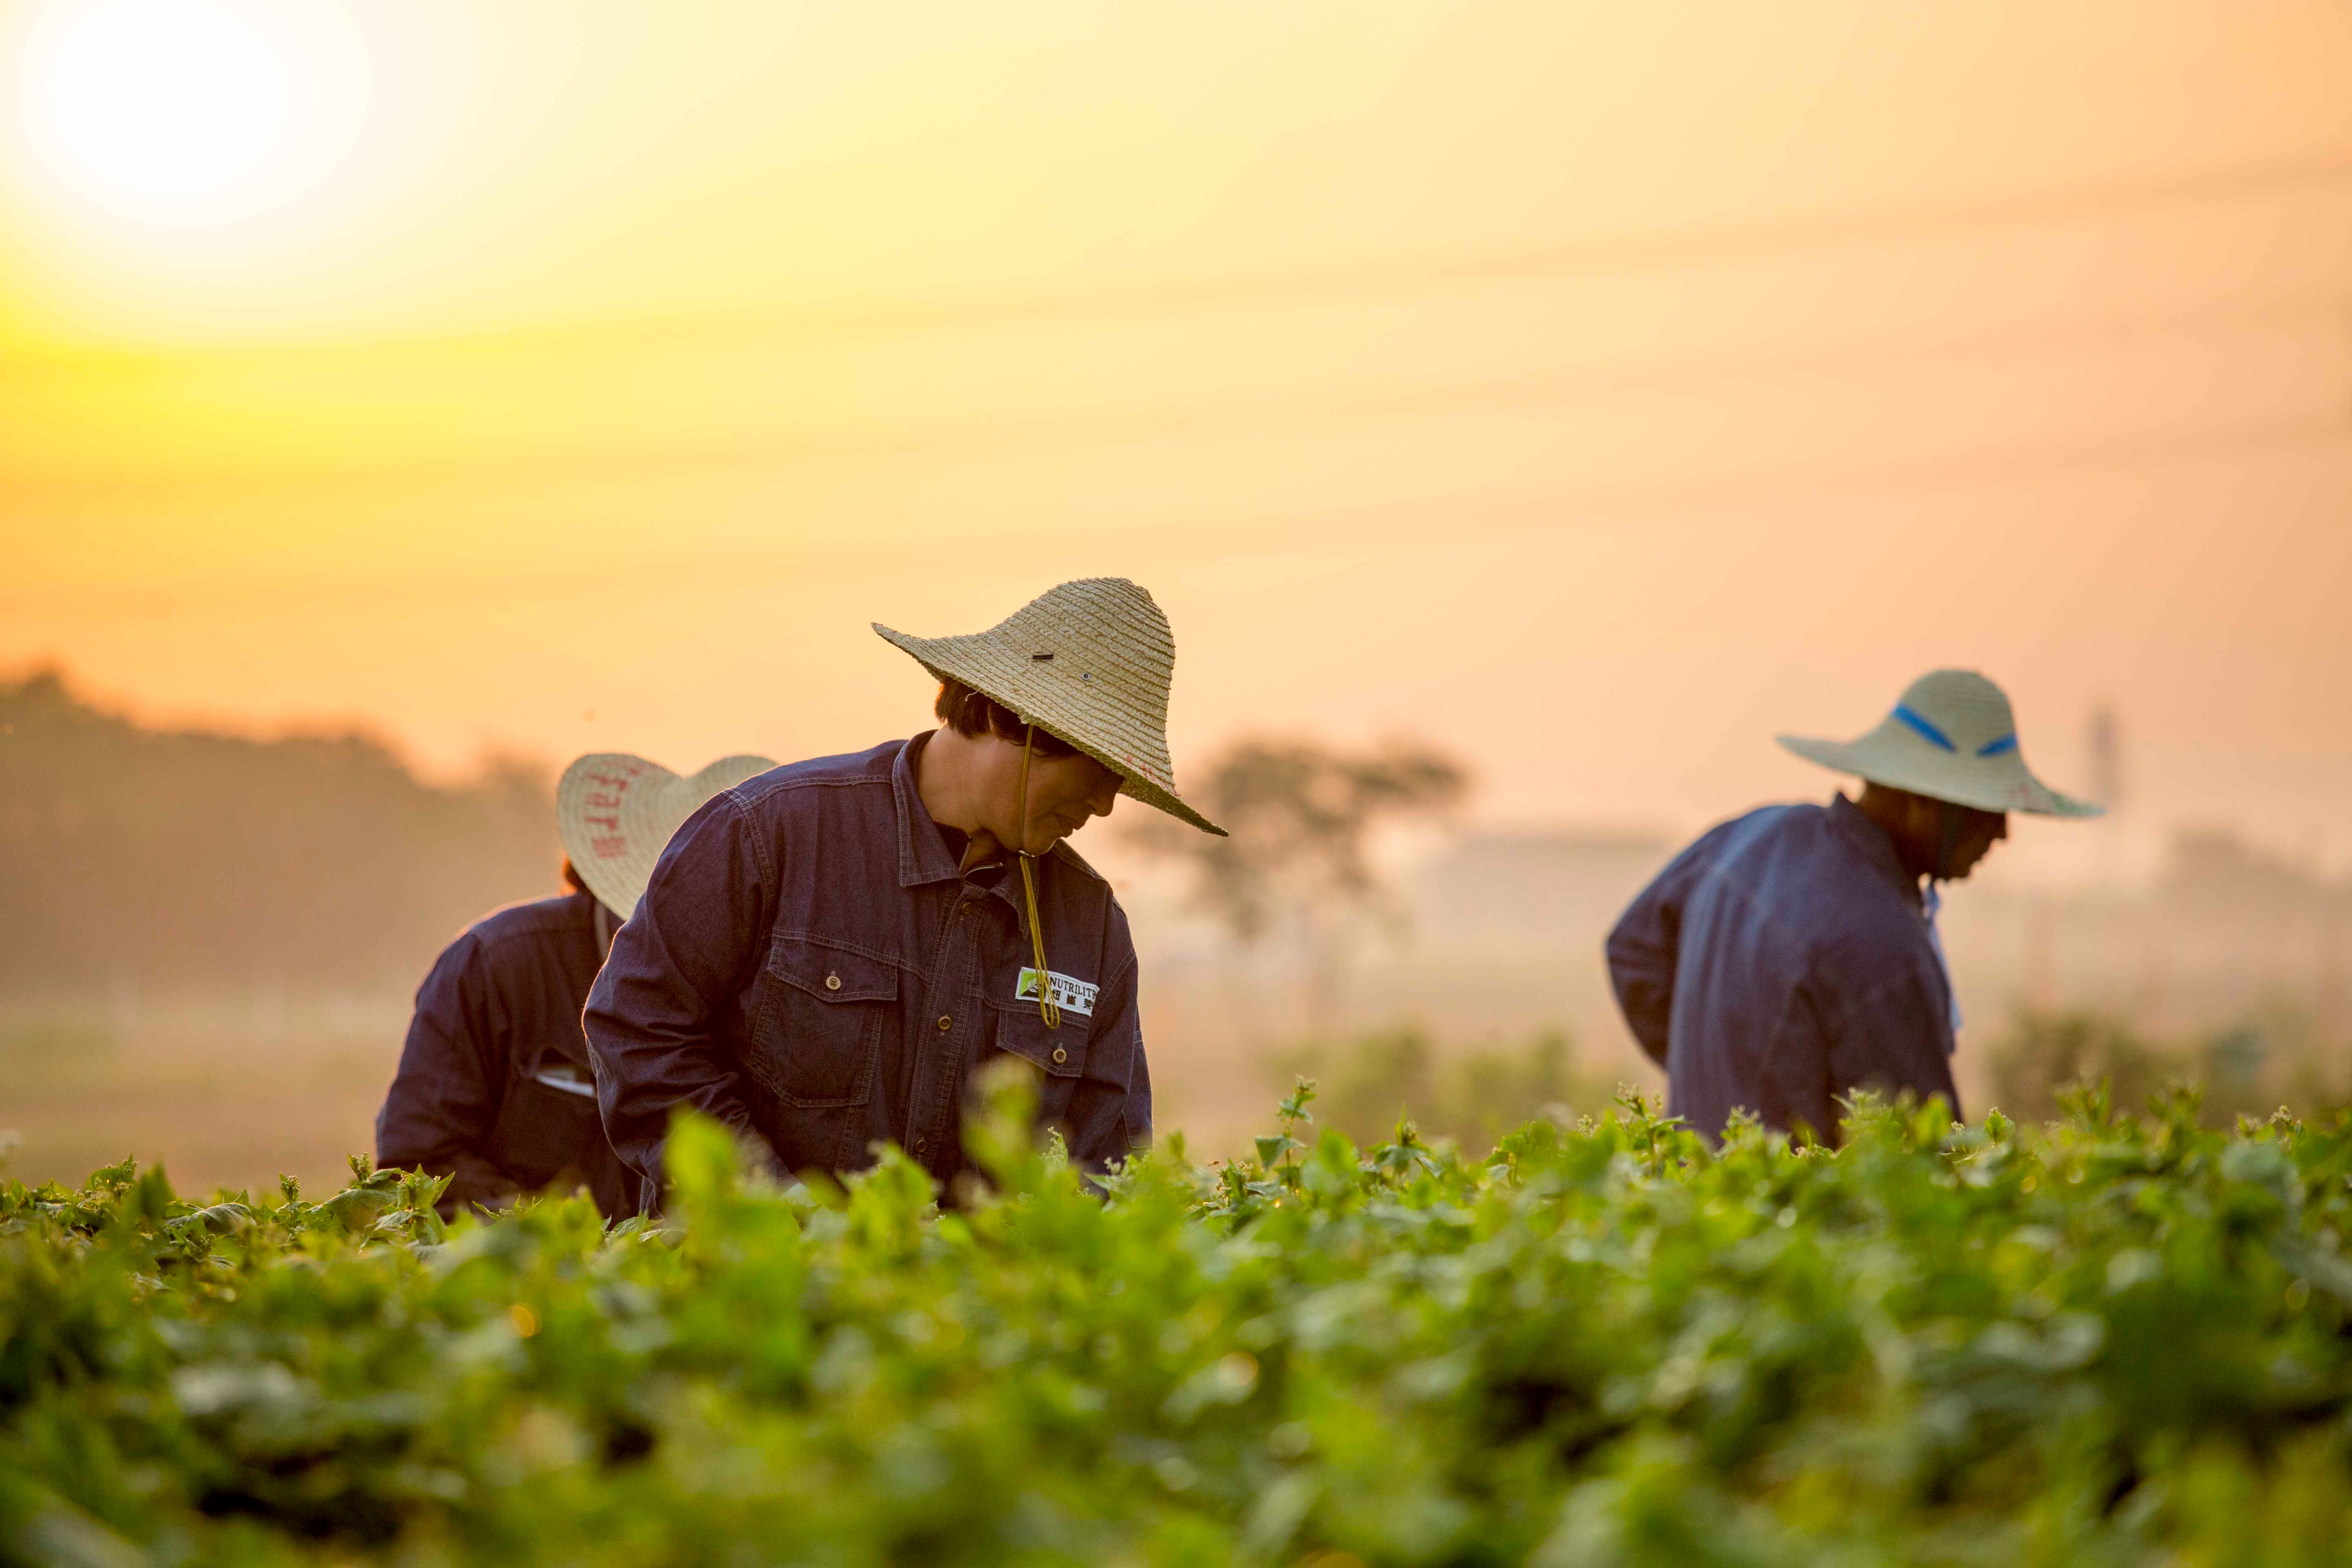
(1047, 1008)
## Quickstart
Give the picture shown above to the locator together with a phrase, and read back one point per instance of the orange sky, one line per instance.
(1595, 389)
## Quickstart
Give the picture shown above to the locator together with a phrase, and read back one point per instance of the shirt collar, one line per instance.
(1871, 842)
(923, 854)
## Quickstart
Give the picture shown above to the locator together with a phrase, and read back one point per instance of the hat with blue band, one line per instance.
(1952, 736)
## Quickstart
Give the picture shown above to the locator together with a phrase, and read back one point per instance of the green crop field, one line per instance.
(2109, 1340)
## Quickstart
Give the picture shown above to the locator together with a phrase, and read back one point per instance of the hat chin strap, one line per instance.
(1047, 1008)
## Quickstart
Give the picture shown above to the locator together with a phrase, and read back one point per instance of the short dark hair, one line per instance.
(969, 713)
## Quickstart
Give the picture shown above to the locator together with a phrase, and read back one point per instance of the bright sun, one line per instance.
(167, 111)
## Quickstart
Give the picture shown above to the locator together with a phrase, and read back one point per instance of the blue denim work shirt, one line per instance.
(1781, 961)
(493, 1090)
(808, 966)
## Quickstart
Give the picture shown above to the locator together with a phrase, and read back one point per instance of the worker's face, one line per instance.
(1975, 831)
(1064, 794)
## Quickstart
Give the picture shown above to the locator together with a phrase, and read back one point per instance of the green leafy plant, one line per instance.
(2112, 1339)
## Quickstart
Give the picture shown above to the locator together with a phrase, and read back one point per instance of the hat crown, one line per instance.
(1964, 707)
(1103, 633)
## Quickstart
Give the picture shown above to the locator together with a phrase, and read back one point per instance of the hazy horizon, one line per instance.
(1593, 393)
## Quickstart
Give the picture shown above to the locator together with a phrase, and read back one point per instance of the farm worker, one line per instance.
(493, 1088)
(1790, 956)
(826, 954)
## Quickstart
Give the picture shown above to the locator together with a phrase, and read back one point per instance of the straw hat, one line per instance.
(615, 813)
(1090, 663)
(1951, 737)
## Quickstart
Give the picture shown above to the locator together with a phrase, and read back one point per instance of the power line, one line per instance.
(1380, 525)
(2006, 464)
(1534, 390)
(2322, 171)
(1373, 528)
(1680, 244)
(1117, 427)
(1542, 387)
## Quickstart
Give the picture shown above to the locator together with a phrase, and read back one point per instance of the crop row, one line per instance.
(2110, 1339)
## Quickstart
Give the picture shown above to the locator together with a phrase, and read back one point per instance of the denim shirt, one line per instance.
(808, 966)
(1781, 961)
(493, 1088)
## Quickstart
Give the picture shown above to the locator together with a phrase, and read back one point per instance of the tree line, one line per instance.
(188, 859)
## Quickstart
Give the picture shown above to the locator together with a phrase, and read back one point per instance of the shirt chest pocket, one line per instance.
(828, 1014)
(548, 1125)
(1019, 1031)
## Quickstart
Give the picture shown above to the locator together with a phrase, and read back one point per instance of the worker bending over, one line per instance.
(1790, 956)
(494, 1089)
(825, 954)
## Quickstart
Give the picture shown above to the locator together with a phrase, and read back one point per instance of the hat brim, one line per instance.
(947, 658)
(2021, 792)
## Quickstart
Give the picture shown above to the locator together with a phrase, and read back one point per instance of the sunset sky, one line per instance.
(1595, 390)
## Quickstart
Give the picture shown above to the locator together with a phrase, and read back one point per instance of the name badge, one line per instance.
(1070, 996)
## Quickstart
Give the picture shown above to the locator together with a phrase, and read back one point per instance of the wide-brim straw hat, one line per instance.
(1951, 737)
(615, 813)
(1090, 663)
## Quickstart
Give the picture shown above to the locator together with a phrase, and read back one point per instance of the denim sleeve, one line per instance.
(444, 1099)
(1891, 1033)
(1642, 952)
(1110, 1113)
(679, 966)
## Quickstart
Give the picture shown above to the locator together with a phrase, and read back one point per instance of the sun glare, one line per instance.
(167, 111)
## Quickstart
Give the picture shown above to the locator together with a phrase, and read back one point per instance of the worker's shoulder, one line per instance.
(1787, 864)
(800, 784)
(538, 921)
(1840, 883)
(1763, 833)
(1064, 855)
(1782, 818)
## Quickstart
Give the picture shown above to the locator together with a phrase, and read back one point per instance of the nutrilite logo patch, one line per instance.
(1070, 996)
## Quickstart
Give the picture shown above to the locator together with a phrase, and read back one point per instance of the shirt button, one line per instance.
(1060, 1055)
(946, 1023)
(922, 1144)
(833, 983)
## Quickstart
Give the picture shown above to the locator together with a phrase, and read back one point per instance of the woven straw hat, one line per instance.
(1951, 737)
(1090, 663)
(615, 813)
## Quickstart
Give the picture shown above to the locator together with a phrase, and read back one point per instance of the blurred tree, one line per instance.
(1301, 817)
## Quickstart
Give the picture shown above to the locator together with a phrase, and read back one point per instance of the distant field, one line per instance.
(220, 1095)
(233, 1092)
